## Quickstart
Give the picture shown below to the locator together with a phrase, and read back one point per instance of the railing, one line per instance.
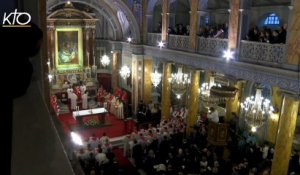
(211, 46)
(178, 42)
(262, 52)
(153, 39)
(255, 52)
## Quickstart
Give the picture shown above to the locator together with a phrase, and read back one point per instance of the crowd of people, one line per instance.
(267, 35)
(96, 156)
(217, 31)
(164, 150)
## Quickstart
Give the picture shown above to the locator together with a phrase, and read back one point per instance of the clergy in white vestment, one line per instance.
(85, 100)
(112, 106)
(121, 110)
(69, 92)
(73, 101)
(82, 88)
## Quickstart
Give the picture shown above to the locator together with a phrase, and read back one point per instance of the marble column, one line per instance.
(86, 51)
(285, 134)
(137, 88)
(293, 43)
(233, 28)
(273, 119)
(115, 70)
(166, 91)
(140, 78)
(193, 24)
(233, 105)
(144, 21)
(165, 20)
(93, 45)
(147, 79)
(134, 80)
(193, 101)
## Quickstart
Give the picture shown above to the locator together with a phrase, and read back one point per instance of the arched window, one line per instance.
(272, 19)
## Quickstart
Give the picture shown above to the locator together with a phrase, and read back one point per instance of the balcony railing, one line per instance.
(262, 52)
(178, 42)
(255, 52)
(211, 46)
(153, 39)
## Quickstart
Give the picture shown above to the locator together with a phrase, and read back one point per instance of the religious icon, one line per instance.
(68, 46)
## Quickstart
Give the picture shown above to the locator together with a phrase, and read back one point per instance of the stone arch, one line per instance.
(133, 25)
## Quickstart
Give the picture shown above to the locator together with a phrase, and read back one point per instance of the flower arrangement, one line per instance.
(91, 121)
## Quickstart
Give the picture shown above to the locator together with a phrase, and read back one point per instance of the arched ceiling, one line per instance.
(111, 10)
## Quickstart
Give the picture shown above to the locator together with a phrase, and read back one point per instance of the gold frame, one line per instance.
(65, 67)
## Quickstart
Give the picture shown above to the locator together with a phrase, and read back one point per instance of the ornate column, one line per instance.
(193, 101)
(273, 119)
(93, 45)
(234, 19)
(144, 21)
(293, 46)
(285, 134)
(165, 20)
(86, 47)
(233, 105)
(193, 24)
(147, 79)
(166, 91)
(115, 70)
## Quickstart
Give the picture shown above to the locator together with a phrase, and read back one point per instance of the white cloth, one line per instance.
(84, 101)
(214, 116)
(69, 92)
(82, 88)
(101, 158)
(73, 101)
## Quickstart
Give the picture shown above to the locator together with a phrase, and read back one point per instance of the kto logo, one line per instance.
(16, 19)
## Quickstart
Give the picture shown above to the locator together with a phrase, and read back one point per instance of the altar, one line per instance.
(100, 112)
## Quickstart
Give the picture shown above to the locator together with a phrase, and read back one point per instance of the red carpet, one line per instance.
(116, 128)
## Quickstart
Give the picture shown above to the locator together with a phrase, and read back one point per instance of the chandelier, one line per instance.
(105, 60)
(155, 78)
(179, 82)
(214, 93)
(125, 72)
(256, 110)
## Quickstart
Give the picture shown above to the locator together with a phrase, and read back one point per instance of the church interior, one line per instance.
(161, 87)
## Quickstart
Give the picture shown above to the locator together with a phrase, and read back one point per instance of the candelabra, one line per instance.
(255, 110)
(179, 82)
